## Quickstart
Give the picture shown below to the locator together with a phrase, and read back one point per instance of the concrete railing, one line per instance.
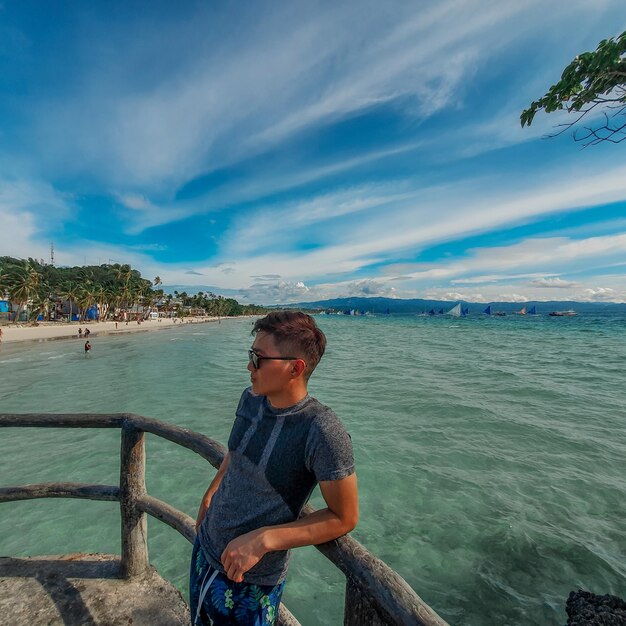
(375, 594)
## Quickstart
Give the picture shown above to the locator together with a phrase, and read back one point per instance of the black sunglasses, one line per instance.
(255, 358)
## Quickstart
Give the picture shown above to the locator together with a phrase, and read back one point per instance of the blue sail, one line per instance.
(464, 311)
(532, 310)
(487, 311)
(431, 312)
(440, 311)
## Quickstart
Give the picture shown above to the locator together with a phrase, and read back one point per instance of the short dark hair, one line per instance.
(296, 333)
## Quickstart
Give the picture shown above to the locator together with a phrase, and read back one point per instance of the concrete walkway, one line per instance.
(84, 589)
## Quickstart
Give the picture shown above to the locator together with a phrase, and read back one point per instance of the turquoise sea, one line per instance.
(491, 452)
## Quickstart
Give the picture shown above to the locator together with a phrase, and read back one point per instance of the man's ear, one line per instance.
(298, 368)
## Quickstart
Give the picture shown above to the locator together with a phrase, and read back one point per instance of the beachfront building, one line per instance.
(5, 308)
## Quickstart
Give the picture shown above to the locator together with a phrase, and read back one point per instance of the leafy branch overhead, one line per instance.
(591, 80)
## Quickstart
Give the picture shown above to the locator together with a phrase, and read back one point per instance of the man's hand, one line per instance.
(242, 554)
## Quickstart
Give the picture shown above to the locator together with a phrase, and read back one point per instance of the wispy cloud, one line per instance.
(553, 283)
(308, 149)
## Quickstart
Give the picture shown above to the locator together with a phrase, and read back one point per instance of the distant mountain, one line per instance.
(399, 306)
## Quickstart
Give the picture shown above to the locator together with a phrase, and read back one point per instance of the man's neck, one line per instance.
(288, 397)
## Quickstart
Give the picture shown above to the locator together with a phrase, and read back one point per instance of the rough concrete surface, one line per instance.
(85, 590)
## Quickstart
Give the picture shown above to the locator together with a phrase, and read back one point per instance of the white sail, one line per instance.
(455, 310)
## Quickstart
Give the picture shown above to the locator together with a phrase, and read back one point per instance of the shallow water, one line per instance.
(491, 453)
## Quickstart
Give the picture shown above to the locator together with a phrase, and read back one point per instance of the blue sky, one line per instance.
(319, 149)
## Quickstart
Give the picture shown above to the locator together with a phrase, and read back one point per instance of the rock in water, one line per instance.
(588, 609)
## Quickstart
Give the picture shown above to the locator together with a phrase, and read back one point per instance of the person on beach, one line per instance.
(282, 444)
(80, 332)
(87, 333)
(87, 347)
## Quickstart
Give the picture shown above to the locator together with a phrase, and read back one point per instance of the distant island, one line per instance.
(399, 306)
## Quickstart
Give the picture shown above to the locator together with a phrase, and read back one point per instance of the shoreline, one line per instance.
(50, 331)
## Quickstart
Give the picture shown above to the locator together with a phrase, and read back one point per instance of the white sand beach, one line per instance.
(54, 330)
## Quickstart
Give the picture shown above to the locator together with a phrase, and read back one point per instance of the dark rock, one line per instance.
(588, 609)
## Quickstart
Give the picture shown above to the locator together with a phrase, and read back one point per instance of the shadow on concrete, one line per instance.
(68, 601)
(66, 568)
(85, 590)
(53, 575)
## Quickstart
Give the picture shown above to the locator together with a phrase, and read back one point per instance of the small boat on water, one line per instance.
(488, 311)
(458, 311)
(570, 313)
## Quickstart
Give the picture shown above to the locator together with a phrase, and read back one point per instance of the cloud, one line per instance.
(136, 202)
(556, 283)
(276, 292)
(513, 297)
(492, 278)
(369, 288)
(359, 226)
(213, 105)
(532, 254)
(150, 247)
(140, 119)
(602, 293)
(27, 209)
(451, 295)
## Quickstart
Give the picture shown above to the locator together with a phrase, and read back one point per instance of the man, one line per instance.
(282, 444)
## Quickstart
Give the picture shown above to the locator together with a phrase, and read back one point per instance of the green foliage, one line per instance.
(592, 79)
(110, 287)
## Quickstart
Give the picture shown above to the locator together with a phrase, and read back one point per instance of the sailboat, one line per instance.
(487, 311)
(532, 310)
(522, 311)
(431, 312)
(457, 311)
(464, 311)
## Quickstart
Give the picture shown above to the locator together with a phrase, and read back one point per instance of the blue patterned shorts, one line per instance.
(227, 602)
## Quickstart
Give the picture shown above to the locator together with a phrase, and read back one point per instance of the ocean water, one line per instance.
(491, 452)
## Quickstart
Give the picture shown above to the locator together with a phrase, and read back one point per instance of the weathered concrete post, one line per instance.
(133, 487)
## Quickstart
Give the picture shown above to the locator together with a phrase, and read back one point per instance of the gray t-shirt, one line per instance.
(277, 456)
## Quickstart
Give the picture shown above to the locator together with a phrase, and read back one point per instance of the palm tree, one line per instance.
(157, 281)
(39, 304)
(100, 296)
(23, 281)
(69, 291)
(85, 298)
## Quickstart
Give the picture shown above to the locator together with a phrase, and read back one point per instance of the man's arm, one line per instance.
(215, 483)
(339, 518)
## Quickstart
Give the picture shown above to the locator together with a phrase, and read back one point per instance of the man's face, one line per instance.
(273, 376)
